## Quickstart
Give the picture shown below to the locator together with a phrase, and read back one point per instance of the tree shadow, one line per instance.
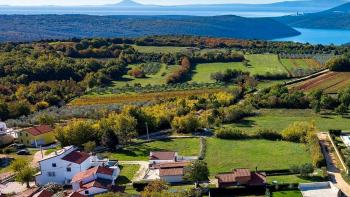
(245, 123)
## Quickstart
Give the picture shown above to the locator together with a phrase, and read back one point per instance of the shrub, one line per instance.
(203, 148)
(268, 134)
(179, 74)
(339, 64)
(186, 124)
(230, 133)
(299, 132)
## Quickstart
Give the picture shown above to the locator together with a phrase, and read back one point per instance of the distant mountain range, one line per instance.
(129, 7)
(335, 18)
(38, 27)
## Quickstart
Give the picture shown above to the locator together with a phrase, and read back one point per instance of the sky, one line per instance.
(101, 2)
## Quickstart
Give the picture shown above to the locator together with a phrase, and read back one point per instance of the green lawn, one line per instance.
(127, 173)
(259, 64)
(225, 155)
(185, 147)
(294, 179)
(279, 119)
(157, 49)
(294, 193)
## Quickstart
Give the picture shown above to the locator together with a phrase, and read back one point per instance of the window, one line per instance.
(20, 134)
(51, 174)
(21, 141)
(69, 169)
(27, 141)
(27, 134)
(86, 191)
(54, 165)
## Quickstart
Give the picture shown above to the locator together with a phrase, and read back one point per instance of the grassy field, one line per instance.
(279, 119)
(225, 155)
(157, 49)
(140, 152)
(294, 193)
(330, 82)
(259, 64)
(291, 64)
(156, 79)
(127, 173)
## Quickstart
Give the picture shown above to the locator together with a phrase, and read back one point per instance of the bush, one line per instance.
(339, 64)
(186, 124)
(140, 185)
(299, 132)
(304, 169)
(268, 134)
(230, 133)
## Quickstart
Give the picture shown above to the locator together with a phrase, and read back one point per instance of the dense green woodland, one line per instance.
(37, 75)
(27, 28)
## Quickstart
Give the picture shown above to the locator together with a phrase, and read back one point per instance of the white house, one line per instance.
(172, 172)
(95, 180)
(61, 166)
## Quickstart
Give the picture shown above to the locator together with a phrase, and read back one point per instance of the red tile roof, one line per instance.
(242, 172)
(171, 172)
(44, 193)
(99, 183)
(172, 165)
(162, 156)
(76, 157)
(39, 130)
(76, 194)
(257, 179)
(226, 178)
(90, 172)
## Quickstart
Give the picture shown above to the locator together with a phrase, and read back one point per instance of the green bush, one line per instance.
(230, 133)
(268, 134)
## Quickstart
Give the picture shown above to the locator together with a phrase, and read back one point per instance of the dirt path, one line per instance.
(333, 171)
(36, 158)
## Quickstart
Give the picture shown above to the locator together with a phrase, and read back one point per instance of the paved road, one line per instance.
(141, 173)
(332, 169)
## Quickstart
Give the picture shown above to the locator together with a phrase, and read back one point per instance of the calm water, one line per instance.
(320, 36)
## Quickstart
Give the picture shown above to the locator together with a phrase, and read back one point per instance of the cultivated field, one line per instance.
(291, 64)
(129, 98)
(279, 119)
(225, 155)
(140, 152)
(158, 49)
(330, 82)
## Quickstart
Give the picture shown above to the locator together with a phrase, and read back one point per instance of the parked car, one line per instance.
(23, 152)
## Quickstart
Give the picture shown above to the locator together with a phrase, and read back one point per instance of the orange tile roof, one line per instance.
(39, 130)
(162, 156)
(171, 172)
(90, 172)
(172, 165)
(76, 157)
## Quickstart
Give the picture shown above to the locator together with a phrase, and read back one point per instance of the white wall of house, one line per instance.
(93, 191)
(172, 179)
(160, 161)
(59, 174)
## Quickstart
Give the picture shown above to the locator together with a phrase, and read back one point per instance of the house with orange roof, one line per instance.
(36, 136)
(241, 177)
(95, 180)
(61, 166)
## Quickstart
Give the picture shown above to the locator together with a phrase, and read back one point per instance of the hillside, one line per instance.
(335, 18)
(28, 28)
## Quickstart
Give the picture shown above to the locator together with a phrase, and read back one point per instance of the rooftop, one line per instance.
(162, 155)
(90, 172)
(171, 172)
(76, 157)
(39, 130)
(99, 183)
(43, 193)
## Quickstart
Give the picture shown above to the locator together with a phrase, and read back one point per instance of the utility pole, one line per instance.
(147, 131)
